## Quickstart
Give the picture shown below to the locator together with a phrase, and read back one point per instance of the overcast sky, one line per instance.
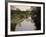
(21, 7)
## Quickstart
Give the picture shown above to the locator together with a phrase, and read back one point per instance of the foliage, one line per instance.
(17, 16)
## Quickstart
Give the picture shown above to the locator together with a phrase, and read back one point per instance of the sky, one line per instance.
(21, 7)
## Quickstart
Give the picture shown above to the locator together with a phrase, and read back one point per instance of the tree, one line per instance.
(37, 19)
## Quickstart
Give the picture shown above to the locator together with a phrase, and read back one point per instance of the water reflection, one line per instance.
(26, 25)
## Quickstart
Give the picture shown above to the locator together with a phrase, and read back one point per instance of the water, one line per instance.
(26, 25)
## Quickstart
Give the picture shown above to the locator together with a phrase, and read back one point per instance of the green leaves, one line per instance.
(17, 15)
